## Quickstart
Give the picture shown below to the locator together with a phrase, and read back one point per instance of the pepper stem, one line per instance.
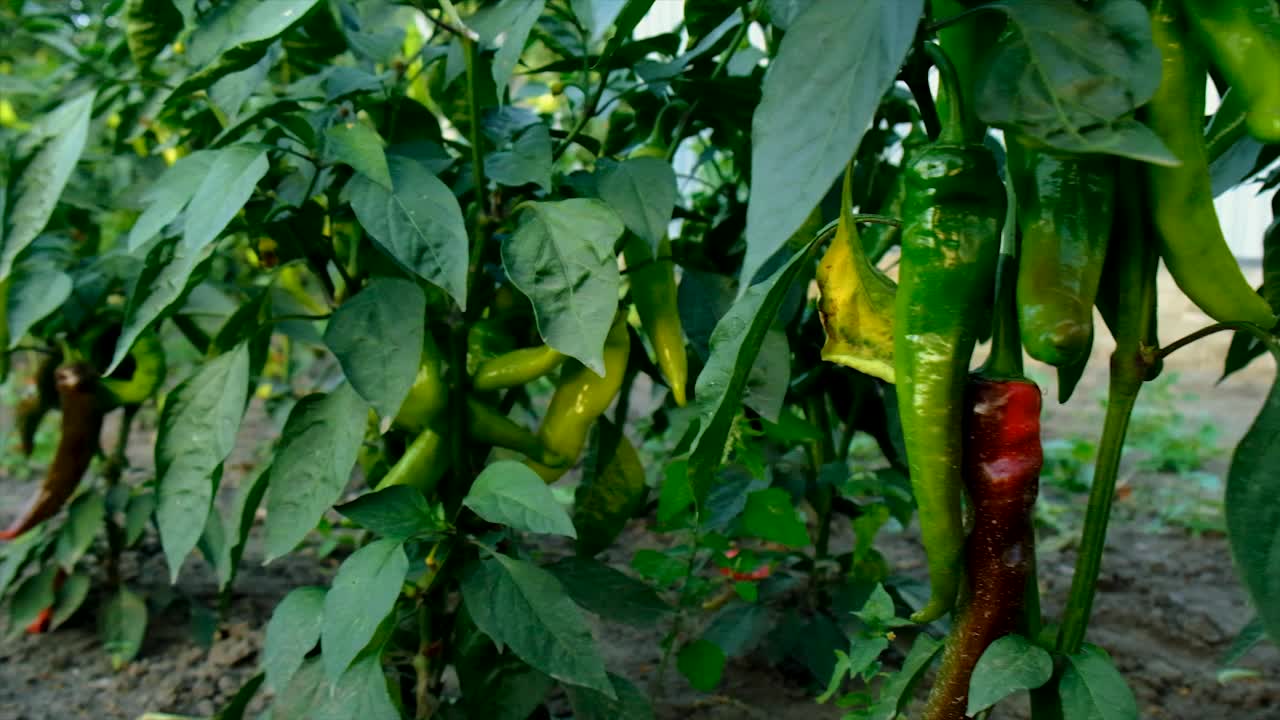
(1005, 361)
(955, 129)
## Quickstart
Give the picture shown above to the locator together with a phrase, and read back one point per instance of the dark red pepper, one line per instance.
(1002, 460)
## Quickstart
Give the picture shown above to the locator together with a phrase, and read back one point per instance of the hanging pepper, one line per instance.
(32, 409)
(1064, 212)
(422, 464)
(515, 368)
(489, 427)
(1243, 38)
(1191, 240)
(653, 290)
(78, 394)
(580, 397)
(148, 372)
(428, 395)
(955, 207)
(1002, 461)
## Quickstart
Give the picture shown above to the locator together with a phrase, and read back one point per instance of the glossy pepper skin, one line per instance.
(421, 466)
(580, 397)
(1181, 198)
(1243, 39)
(78, 393)
(515, 368)
(1002, 461)
(1065, 205)
(653, 290)
(955, 208)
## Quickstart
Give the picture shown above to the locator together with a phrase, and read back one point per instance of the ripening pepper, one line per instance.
(1243, 39)
(1064, 211)
(1002, 461)
(1181, 198)
(955, 207)
(580, 397)
(488, 426)
(78, 394)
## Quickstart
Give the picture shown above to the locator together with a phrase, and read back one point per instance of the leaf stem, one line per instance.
(1262, 335)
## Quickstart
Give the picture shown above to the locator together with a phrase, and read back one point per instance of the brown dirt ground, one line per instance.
(1168, 603)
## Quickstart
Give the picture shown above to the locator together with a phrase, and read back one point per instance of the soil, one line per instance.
(1168, 601)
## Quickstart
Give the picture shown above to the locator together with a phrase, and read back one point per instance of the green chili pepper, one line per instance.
(148, 372)
(1243, 38)
(422, 465)
(653, 290)
(955, 207)
(1191, 240)
(428, 395)
(516, 368)
(488, 426)
(581, 396)
(1064, 212)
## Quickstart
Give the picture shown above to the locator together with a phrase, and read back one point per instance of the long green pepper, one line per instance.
(955, 208)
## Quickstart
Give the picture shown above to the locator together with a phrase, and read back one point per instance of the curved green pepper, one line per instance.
(1064, 211)
(515, 368)
(1191, 241)
(581, 396)
(653, 290)
(1243, 38)
(422, 465)
(148, 372)
(428, 395)
(488, 426)
(955, 207)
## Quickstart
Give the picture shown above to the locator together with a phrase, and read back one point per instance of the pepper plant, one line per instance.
(464, 250)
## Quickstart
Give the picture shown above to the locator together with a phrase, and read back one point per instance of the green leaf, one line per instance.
(528, 160)
(739, 628)
(30, 598)
(165, 279)
(313, 464)
(150, 25)
(509, 493)
(643, 193)
(69, 598)
(360, 146)
(896, 693)
(835, 63)
(1125, 137)
(418, 224)
(735, 344)
(38, 189)
(784, 12)
(85, 519)
(361, 693)
(769, 515)
(197, 431)
(307, 689)
(629, 17)
(15, 554)
(597, 15)
(398, 512)
(292, 632)
(363, 593)
(1252, 513)
(1093, 689)
(35, 291)
(509, 22)
(1009, 664)
(1251, 634)
(521, 605)
(631, 702)
(377, 336)
(1069, 68)
(612, 490)
(702, 664)
(234, 35)
(230, 182)
(239, 523)
(562, 257)
(770, 376)
(137, 515)
(236, 707)
(169, 194)
(122, 623)
(605, 591)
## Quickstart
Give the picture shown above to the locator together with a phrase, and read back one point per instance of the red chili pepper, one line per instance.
(760, 573)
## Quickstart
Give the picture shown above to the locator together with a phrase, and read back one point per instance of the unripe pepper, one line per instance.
(488, 426)
(421, 466)
(428, 395)
(1065, 205)
(515, 368)
(955, 208)
(580, 397)
(78, 393)
(1181, 197)
(148, 372)
(1243, 38)
(1002, 461)
(653, 290)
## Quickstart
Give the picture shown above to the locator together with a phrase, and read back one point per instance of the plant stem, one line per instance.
(111, 478)
(1121, 396)
(822, 452)
(477, 161)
